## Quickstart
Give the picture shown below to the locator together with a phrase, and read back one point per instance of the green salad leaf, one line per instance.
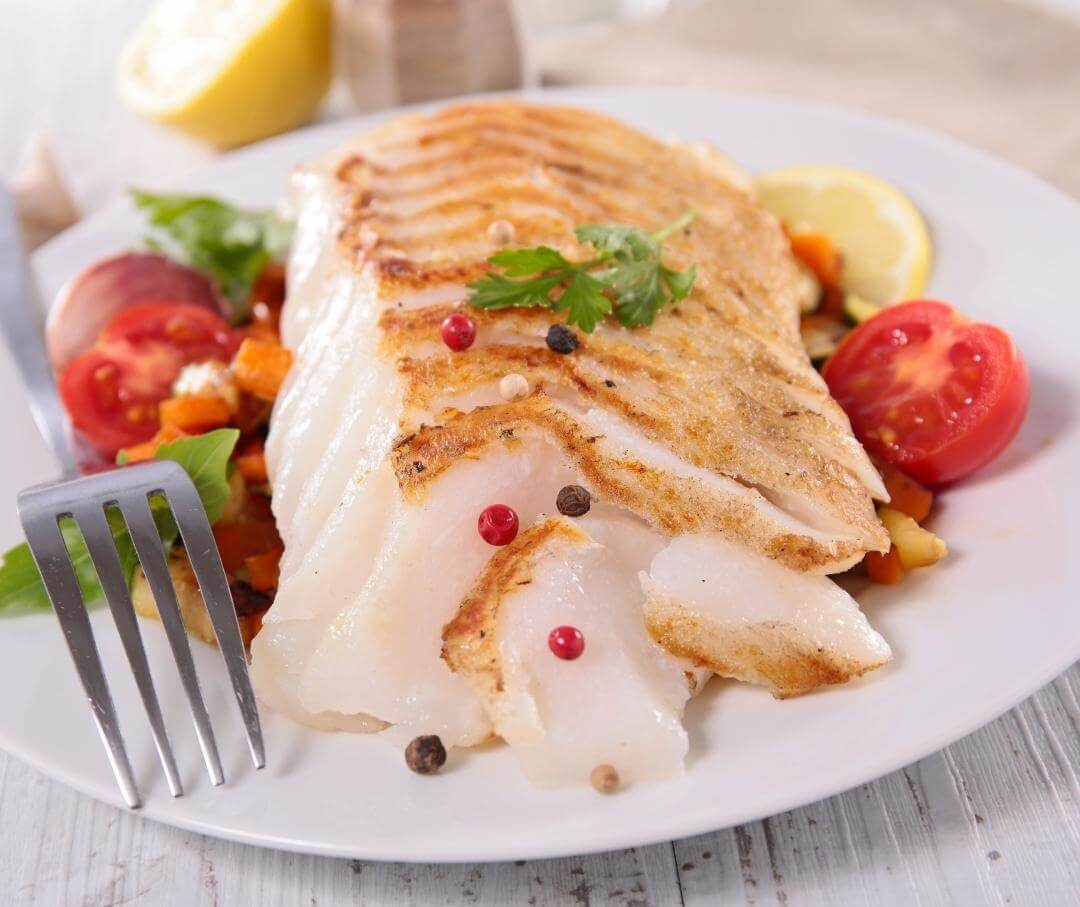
(626, 277)
(230, 244)
(204, 457)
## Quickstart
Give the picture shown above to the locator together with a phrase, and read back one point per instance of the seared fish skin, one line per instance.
(704, 439)
(420, 194)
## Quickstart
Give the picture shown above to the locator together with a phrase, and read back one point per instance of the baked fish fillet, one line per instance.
(726, 482)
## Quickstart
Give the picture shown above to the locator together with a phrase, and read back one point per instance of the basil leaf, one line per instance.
(21, 588)
(206, 459)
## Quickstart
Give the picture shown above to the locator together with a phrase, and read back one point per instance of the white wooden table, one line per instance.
(993, 819)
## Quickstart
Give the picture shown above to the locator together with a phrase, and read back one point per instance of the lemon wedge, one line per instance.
(228, 71)
(886, 245)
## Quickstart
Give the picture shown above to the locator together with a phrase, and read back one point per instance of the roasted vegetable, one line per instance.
(261, 367)
(914, 545)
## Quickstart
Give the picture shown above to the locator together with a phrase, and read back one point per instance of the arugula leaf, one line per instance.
(632, 282)
(206, 460)
(231, 244)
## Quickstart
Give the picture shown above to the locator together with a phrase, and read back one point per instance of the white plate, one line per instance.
(972, 638)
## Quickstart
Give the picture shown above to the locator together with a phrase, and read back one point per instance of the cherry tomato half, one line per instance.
(195, 331)
(112, 390)
(929, 391)
(112, 393)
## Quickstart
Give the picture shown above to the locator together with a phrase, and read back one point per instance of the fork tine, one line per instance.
(144, 533)
(205, 560)
(102, 548)
(51, 556)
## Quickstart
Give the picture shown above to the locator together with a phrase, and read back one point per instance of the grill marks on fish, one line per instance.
(671, 501)
(734, 428)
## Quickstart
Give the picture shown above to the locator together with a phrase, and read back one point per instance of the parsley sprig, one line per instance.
(626, 277)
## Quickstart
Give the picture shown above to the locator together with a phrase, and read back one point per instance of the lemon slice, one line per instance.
(884, 239)
(228, 71)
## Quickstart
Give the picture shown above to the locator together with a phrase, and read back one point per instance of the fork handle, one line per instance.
(21, 324)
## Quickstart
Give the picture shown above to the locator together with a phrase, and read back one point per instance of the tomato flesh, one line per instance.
(112, 390)
(197, 333)
(929, 391)
(112, 393)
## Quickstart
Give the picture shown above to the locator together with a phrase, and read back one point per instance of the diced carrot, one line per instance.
(252, 467)
(820, 255)
(195, 414)
(884, 568)
(260, 367)
(832, 302)
(907, 495)
(265, 301)
(261, 331)
(238, 541)
(263, 569)
(269, 286)
(148, 449)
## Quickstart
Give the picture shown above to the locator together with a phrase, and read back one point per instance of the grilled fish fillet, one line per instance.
(726, 482)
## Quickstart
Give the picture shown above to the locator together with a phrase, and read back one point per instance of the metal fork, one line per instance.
(87, 501)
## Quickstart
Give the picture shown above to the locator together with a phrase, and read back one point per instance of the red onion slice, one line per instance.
(92, 298)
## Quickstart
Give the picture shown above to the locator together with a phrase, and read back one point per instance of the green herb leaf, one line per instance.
(627, 277)
(206, 459)
(620, 242)
(584, 301)
(231, 244)
(21, 588)
(679, 283)
(498, 292)
(521, 262)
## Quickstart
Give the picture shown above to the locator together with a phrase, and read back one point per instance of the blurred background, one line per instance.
(98, 96)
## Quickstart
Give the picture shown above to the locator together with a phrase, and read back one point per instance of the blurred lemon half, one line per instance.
(886, 245)
(228, 71)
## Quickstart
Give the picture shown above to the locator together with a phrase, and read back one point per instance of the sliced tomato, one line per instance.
(929, 391)
(196, 332)
(112, 393)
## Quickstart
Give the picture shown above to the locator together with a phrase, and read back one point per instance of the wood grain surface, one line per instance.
(993, 819)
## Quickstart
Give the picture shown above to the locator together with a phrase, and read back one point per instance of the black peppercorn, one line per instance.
(425, 755)
(573, 500)
(561, 339)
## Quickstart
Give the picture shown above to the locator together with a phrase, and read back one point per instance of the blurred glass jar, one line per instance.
(542, 17)
(390, 52)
